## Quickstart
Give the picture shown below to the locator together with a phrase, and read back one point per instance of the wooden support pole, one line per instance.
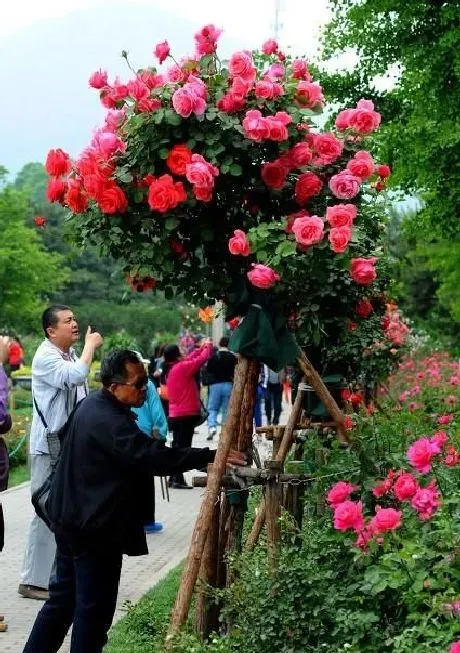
(206, 612)
(202, 524)
(281, 457)
(316, 382)
(273, 496)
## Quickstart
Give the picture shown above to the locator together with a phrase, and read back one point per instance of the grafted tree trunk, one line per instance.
(204, 519)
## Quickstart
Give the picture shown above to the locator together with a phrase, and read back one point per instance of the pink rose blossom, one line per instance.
(426, 501)
(364, 121)
(307, 186)
(161, 51)
(405, 487)
(367, 105)
(270, 47)
(175, 74)
(255, 126)
(262, 276)
(268, 90)
(200, 172)
(362, 270)
(308, 230)
(148, 104)
(420, 455)
(300, 155)
(348, 515)
(119, 91)
(107, 144)
(340, 492)
(238, 245)
(445, 419)
(114, 119)
(309, 95)
(344, 185)
(277, 129)
(362, 165)
(187, 100)
(341, 215)
(241, 65)
(439, 439)
(152, 80)
(455, 647)
(300, 70)
(386, 519)
(342, 120)
(327, 148)
(206, 40)
(275, 72)
(98, 79)
(452, 458)
(137, 89)
(339, 237)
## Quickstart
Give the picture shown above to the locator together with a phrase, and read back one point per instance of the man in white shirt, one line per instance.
(58, 384)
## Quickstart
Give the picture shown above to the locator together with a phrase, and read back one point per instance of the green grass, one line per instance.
(18, 475)
(144, 627)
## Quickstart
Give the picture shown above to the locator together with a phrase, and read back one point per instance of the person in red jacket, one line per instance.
(184, 396)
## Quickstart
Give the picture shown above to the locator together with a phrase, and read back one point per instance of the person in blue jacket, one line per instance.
(151, 419)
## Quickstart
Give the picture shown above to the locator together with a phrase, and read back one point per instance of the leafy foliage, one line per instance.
(412, 44)
(28, 273)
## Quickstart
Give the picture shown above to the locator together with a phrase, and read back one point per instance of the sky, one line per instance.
(48, 48)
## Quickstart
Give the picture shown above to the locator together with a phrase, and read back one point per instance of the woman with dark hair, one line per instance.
(184, 396)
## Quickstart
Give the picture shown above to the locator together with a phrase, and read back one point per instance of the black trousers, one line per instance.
(84, 592)
(273, 400)
(182, 431)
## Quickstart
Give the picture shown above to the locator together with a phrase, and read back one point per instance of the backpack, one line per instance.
(40, 495)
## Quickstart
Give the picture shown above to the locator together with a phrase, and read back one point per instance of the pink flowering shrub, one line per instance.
(198, 166)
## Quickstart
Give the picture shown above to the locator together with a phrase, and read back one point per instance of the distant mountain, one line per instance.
(46, 99)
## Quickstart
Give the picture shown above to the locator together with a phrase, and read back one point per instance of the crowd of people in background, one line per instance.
(97, 455)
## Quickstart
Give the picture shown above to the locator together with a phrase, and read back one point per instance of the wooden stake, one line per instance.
(206, 612)
(281, 456)
(202, 524)
(316, 382)
(273, 496)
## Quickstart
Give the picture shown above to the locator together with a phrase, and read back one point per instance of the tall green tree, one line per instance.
(415, 45)
(28, 273)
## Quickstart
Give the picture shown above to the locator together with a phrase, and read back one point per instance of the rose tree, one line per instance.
(208, 174)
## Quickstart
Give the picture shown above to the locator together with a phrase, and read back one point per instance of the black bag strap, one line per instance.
(40, 414)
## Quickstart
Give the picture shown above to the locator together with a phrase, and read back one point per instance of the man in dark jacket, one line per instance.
(96, 505)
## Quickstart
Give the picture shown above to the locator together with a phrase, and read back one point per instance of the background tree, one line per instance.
(29, 274)
(412, 45)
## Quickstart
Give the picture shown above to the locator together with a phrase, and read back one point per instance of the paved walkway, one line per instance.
(139, 574)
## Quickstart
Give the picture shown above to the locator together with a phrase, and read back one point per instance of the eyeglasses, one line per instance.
(141, 383)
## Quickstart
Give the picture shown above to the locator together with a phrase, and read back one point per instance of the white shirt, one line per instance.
(58, 383)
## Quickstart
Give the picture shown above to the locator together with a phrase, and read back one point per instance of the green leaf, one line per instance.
(236, 170)
(171, 223)
(286, 248)
(172, 118)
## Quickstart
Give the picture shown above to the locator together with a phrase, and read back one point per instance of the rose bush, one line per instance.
(193, 154)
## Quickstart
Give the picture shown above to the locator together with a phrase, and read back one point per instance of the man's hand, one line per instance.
(4, 349)
(206, 342)
(236, 458)
(94, 340)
